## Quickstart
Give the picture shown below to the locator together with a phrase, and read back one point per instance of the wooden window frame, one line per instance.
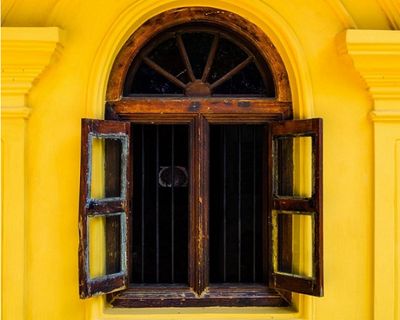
(199, 292)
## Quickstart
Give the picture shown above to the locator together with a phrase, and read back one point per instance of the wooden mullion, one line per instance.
(198, 279)
(204, 202)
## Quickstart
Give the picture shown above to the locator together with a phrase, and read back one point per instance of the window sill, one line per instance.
(225, 295)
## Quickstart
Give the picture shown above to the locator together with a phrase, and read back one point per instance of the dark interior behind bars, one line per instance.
(235, 203)
(161, 204)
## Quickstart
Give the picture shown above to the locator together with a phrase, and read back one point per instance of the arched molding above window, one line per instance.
(266, 18)
(226, 28)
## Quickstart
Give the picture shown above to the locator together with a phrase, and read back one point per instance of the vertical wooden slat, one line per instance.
(317, 152)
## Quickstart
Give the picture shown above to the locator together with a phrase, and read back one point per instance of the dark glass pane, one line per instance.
(113, 152)
(293, 243)
(285, 162)
(227, 57)
(168, 57)
(247, 81)
(106, 168)
(236, 251)
(198, 46)
(147, 81)
(160, 210)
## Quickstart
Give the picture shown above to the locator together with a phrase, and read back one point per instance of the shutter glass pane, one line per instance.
(106, 242)
(293, 167)
(299, 244)
(106, 167)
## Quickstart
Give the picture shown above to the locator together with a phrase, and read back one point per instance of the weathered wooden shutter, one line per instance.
(103, 207)
(295, 219)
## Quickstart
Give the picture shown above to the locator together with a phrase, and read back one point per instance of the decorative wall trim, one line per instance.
(342, 13)
(392, 12)
(15, 112)
(26, 52)
(376, 56)
(385, 115)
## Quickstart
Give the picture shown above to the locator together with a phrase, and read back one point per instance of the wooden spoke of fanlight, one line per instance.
(211, 56)
(231, 73)
(185, 57)
(164, 72)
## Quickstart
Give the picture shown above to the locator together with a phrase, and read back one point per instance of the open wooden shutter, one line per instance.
(103, 207)
(295, 219)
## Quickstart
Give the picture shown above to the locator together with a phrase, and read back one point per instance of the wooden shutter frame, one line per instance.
(313, 205)
(106, 207)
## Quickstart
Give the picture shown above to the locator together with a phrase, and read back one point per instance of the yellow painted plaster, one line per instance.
(324, 84)
(376, 56)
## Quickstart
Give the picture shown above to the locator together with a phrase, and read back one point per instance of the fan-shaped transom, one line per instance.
(196, 60)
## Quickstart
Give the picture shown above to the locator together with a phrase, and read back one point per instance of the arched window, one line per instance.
(200, 205)
(199, 61)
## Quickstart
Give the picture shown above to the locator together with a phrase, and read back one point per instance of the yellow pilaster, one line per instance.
(376, 56)
(25, 54)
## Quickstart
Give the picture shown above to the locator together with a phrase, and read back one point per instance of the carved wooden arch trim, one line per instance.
(211, 16)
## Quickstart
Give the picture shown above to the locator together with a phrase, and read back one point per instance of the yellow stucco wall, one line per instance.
(39, 249)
